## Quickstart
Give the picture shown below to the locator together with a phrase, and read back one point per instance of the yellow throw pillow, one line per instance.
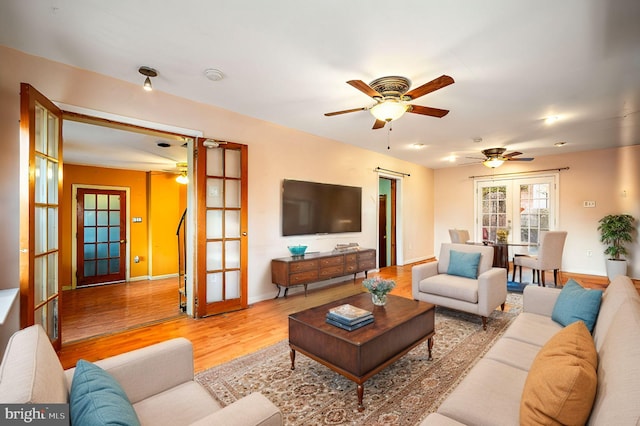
(561, 384)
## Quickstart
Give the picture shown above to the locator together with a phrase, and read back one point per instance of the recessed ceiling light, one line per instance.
(452, 158)
(560, 144)
(477, 140)
(417, 146)
(213, 74)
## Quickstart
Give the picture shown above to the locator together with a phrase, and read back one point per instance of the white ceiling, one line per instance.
(515, 62)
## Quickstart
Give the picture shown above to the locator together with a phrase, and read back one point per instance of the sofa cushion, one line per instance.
(561, 384)
(618, 370)
(577, 303)
(487, 395)
(31, 372)
(164, 408)
(97, 399)
(451, 286)
(463, 264)
(532, 328)
(620, 290)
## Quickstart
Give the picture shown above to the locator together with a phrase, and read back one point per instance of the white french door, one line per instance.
(523, 206)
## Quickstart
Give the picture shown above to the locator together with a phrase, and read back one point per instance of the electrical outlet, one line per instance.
(588, 204)
(589, 253)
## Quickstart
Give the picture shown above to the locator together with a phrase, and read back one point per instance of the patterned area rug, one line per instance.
(402, 394)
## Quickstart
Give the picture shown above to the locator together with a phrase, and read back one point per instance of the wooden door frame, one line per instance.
(74, 226)
(382, 219)
(397, 251)
(29, 97)
(199, 171)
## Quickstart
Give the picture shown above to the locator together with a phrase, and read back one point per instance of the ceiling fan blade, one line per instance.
(364, 88)
(379, 124)
(329, 114)
(519, 159)
(512, 154)
(433, 112)
(433, 85)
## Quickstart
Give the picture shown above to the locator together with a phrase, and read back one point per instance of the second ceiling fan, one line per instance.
(392, 96)
(494, 157)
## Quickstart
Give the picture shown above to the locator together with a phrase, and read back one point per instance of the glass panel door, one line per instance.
(41, 132)
(523, 207)
(494, 210)
(101, 236)
(222, 223)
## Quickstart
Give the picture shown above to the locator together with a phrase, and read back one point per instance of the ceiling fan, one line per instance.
(392, 96)
(494, 157)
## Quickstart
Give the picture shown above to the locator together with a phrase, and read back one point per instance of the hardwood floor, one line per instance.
(97, 310)
(221, 338)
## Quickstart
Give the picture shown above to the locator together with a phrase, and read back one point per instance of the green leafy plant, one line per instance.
(615, 231)
(378, 286)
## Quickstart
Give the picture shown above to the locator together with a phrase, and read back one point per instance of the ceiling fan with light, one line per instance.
(392, 98)
(494, 157)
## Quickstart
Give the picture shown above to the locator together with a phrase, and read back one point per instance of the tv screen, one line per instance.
(320, 208)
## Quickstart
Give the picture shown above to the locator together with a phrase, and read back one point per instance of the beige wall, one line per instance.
(609, 177)
(275, 153)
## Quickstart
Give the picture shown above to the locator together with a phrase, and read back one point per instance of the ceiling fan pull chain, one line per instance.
(389, 136)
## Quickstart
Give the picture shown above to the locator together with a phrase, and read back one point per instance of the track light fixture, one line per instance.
(148, 72)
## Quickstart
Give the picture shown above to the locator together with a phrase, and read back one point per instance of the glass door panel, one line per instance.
(101, 236)
(222, 243)
(40, 125)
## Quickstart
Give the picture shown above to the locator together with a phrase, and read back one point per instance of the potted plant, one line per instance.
(615, 231)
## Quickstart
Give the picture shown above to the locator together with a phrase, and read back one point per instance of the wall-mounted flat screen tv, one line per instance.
(320, 208)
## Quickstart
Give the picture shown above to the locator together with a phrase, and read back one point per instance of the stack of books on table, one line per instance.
(349, 317)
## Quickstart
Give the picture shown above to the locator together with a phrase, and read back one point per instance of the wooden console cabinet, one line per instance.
(314, 267)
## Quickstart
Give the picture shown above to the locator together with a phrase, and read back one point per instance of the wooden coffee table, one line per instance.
(398, 327)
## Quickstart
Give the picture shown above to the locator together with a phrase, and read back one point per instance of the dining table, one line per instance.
(501, 251)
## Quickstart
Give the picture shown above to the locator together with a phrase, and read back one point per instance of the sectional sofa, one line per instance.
(157, 380)
(498, 389)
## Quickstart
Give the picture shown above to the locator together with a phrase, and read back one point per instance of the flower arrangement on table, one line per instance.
(378, 287)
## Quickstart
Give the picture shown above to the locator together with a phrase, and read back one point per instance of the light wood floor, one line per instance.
(221, 338)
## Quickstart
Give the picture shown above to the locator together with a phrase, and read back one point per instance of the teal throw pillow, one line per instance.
(96, 398)
(463, 264)
(576, 303)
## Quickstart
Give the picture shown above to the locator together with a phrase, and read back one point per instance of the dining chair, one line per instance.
(459, 236)
(549, 257)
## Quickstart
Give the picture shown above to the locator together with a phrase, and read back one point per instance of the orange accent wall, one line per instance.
(167, 201)
(147, 239)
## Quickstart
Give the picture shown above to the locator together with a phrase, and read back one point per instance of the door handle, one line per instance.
(123, 241)
(244, 234)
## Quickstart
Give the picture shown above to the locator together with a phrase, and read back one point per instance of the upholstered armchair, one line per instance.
(549, 257)
(460, 236)
(463, 278)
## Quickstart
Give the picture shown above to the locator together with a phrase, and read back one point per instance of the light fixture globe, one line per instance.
(389, 110)
(493, 162)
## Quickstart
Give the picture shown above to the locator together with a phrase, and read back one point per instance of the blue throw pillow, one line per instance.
(576, 303)
(96, 398)
(463, 264)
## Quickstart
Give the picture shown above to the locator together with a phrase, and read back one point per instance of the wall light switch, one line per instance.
(588, 204)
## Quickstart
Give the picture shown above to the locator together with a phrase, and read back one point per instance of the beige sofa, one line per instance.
(431, 283)
(491, 392)
(158, 380)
